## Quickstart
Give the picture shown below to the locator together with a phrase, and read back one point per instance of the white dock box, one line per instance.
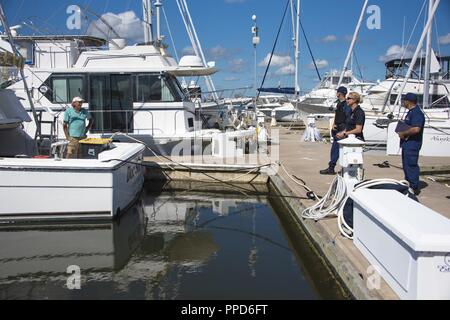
(409, 242)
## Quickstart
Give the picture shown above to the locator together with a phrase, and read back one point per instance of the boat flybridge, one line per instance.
(43, 188)
(129, 89)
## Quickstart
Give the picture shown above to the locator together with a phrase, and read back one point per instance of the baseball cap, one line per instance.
(410, 97)
(77, 99)
(342, 90)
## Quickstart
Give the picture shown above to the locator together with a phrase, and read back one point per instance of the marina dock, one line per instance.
(304, 160)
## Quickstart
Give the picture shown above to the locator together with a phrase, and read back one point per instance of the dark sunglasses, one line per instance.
(350, 98)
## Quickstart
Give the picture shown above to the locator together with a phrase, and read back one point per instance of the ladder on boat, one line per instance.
(45, 140)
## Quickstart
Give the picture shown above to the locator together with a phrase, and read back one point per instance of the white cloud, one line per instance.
(445, 39)
(188, 51)
(329, 38)
(397, 52)
(236, 65)
(218, 52)
(126, 24)
(321, 63)
(277, 61)
(286, 70)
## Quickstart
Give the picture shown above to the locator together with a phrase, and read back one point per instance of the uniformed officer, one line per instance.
(411, 141)
(356, 120)
(340, 118)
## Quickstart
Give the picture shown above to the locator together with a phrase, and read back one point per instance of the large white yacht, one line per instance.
(128, 89)
(379, 102)
(38, 187)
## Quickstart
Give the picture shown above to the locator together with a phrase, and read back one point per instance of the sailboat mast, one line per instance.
(147, 15)
(297, 51)
(426, 84)
(352, 45)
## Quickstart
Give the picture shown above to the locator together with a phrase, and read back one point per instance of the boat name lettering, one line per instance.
(440, 139)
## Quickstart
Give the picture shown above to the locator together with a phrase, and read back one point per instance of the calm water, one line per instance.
(183, 245)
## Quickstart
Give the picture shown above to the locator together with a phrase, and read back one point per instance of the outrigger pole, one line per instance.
(352, 45)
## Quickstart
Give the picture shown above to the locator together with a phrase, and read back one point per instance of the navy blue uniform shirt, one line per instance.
(342, 112)
(357, 117)
(414, 118)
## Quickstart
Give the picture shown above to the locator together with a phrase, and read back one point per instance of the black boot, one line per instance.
(328, 171)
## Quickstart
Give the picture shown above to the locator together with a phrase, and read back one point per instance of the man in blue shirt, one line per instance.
(75, 126)
(342, 113)
(411, 141)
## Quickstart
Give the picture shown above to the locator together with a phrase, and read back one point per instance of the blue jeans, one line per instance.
(410, 159)
(334, 154)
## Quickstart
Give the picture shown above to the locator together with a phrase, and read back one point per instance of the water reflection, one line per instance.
(184, 245)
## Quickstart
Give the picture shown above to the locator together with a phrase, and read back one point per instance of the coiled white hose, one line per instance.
(344, 228)
(329, 204)
(334, 201)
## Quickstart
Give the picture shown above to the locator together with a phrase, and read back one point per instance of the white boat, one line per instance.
(279, 105)
(71, 188)
(322, 99)
(433, 94)
(379, 103)
(55, 188)
(131, 89)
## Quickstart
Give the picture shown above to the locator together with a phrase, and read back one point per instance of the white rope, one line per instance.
(344, 228)
(333, 203)
(329, 204)
(297, 182)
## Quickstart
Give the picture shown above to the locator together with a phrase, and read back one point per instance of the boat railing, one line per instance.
(123, 121)
(209, 96)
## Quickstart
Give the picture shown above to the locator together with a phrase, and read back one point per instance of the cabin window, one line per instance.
(346, 80)
(111, 103)
(62, 89)
(156, 88)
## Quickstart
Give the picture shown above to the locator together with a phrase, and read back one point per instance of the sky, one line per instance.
(224, 30)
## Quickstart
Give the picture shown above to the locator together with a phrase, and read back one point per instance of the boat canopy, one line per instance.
(287, 90)
(11, 110)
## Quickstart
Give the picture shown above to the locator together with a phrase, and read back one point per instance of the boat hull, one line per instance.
(93, 189)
